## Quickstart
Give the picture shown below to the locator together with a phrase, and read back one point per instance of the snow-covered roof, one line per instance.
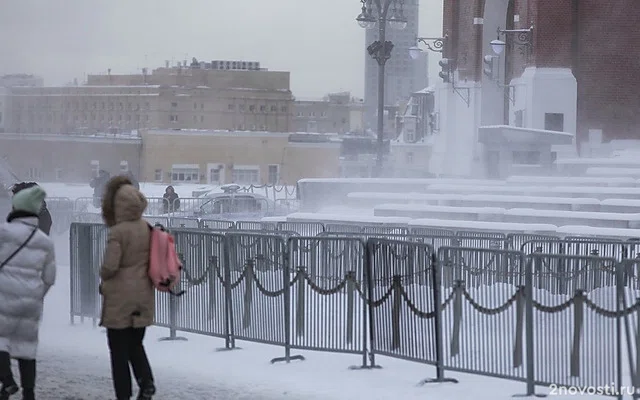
(578, 230)
(439, 209)
(587, 215)
(338, 218)
(570, 180)
(484, 226)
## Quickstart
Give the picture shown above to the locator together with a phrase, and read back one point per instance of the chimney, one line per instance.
(166, 63)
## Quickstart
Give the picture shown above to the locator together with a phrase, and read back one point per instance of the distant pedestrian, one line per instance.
(98, 183)
(171, 200)
(27, 272)
(128, 295)
(44, 217)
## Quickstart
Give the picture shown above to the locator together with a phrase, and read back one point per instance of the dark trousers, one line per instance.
(125, 346)
(27, 373)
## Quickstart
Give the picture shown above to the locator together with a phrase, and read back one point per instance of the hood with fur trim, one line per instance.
(122, 201)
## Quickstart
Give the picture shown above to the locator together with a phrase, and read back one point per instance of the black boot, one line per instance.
(147, 390)
(9, 385)
(9, 388)
(28, 394)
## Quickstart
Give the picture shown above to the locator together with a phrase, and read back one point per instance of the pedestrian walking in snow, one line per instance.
(171, 200)
(128, 296)
(98, 184)
(27, 272)
(44, 216)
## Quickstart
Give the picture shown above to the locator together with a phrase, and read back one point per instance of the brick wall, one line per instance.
(598, 39)
(465, 38)
(607, 68)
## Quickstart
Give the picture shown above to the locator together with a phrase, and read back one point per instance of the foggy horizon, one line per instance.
(326, 53)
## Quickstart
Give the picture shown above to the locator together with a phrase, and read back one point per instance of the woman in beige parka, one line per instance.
(128, 297)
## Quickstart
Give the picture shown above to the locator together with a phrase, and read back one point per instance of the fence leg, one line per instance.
(529, 327)
(437, 318)
(173, 321)
(287, 316)
(229, 339)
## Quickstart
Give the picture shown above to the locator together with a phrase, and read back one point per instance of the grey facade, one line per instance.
(403, 75)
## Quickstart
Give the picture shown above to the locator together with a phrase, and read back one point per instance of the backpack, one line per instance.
(164, 263)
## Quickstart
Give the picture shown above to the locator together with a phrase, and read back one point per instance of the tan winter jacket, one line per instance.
(128, 296)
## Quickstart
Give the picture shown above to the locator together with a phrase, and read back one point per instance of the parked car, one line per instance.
(231, 204)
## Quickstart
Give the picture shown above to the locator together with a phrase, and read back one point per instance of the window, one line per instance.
(157, 176)
(232, 107)
(263, 108)
(519, 118)
(124, 167)
(215, 174)
(526, 157)
(174, 105)
(242, 107)
(58, 174)
(252, 108)
(185, 173)
(409, 156)
(172, 118)
(274, 174)
(246, 175)
(284, 109)
(554, 122)
(274, 109)
(95, 168)
(323, 114)
(195, 106)
(300, 114)
(202, 119)
(34, 174)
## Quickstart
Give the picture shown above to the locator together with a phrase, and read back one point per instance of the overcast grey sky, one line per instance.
(318, 41)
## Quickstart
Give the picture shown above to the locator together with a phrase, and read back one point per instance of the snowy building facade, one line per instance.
(335, 113)
(571, 73)
(168, 98)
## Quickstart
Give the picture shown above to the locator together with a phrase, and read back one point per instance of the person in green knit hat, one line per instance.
(27, 272)
(44, 216)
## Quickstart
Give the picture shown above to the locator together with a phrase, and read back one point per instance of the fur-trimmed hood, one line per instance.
(122, 201)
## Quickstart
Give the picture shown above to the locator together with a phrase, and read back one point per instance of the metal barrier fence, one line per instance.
(537, 318)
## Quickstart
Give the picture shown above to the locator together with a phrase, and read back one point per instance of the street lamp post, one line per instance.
(377, 11)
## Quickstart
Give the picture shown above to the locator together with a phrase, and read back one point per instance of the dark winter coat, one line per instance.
(128, 296)
(171, 201)
(98, 183)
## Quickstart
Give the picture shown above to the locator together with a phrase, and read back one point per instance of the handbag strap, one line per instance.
(5, 262)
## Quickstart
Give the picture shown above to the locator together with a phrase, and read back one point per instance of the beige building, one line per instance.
(336, 113)
(4, 105)
(69, 158)
(14, 80)
(219, 157)
(168, 98)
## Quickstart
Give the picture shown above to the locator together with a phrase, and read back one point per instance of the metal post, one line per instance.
(382, 28)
